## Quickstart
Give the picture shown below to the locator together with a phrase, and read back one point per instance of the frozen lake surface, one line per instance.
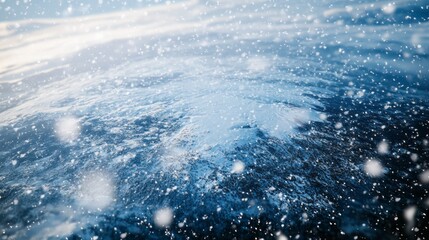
(214, 120)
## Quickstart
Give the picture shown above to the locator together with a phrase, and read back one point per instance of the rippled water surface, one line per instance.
(214, 120)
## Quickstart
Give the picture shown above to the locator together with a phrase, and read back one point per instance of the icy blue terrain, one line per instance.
(214, 120)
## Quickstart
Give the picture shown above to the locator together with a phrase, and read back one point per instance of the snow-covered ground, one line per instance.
(217, 119)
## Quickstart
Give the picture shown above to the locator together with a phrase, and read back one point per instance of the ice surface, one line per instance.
(213, 119)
